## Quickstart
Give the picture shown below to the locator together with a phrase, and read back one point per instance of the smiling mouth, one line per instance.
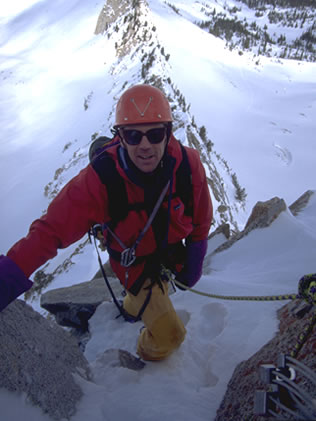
(145, 158)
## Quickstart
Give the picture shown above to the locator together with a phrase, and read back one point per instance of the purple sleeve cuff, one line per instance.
(13, 282)
(192, 271)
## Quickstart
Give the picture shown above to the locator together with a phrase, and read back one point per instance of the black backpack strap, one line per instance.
(184, 182)
(106, 169)
(97, 146)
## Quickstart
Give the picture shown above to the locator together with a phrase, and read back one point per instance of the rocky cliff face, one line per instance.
(40, 359)
(239, 401)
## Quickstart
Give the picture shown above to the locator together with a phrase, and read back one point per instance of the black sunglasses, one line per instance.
(134, 137)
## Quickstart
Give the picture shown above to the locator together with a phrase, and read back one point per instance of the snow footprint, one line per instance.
(283, 154)
(212, 320)
(184, 315)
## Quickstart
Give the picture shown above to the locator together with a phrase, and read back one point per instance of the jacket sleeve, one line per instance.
(80, 204)
(202, 203)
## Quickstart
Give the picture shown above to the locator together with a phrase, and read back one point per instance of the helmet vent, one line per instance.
(142, 113)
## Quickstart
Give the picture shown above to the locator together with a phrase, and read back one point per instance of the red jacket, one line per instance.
(84, 202)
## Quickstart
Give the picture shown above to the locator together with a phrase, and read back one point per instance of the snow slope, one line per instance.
(247, 109)
(262, 120)
(190, 384)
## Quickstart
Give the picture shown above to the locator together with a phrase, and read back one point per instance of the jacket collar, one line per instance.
(159, 176)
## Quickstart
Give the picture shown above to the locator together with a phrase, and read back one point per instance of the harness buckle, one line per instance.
(128, 257)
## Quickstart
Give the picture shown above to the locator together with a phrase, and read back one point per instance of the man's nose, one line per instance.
(144, 143)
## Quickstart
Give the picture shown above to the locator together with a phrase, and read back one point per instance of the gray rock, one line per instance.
(73, 306)
(39, 358)
(119, 358)
(262, 215)
(110, 13)
(238, 401)
(301, 202)
(221, 229)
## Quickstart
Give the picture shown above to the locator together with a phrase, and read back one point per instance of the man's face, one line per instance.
(145, 155)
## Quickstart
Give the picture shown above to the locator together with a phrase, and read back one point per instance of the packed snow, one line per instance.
(190, 384)
(262, 119)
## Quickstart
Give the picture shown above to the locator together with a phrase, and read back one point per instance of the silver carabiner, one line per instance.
(128, 257)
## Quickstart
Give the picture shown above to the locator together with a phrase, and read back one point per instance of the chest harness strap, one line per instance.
(128, 255)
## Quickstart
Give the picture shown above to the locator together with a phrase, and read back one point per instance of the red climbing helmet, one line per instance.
(142, 104)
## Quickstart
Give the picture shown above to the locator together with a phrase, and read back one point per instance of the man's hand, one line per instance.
(192, 270)
(13, 282)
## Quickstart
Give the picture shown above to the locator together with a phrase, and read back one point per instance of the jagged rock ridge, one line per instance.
(238, 402)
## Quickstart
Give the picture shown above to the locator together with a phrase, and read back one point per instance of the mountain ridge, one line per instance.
(141, 57)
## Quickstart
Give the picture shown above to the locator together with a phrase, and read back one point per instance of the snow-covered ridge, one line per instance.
(134, 36)
(138, 49)
(59, 86)
(220, 106)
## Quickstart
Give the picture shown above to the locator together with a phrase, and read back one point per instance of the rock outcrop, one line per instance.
(301, 202)
(221, 229)
(111, 11)
(73, 306)
(238, 402)
(262, 215)
(40, 359)
(118, 358)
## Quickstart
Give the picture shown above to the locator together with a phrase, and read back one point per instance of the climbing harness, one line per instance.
(118, 303)
(128, 255)
(105, 167)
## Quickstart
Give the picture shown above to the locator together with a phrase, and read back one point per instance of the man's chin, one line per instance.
(147, 165)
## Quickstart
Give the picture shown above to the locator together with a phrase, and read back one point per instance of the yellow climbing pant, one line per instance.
(163, 331)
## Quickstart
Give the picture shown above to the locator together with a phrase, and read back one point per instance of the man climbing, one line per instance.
(149, 193)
